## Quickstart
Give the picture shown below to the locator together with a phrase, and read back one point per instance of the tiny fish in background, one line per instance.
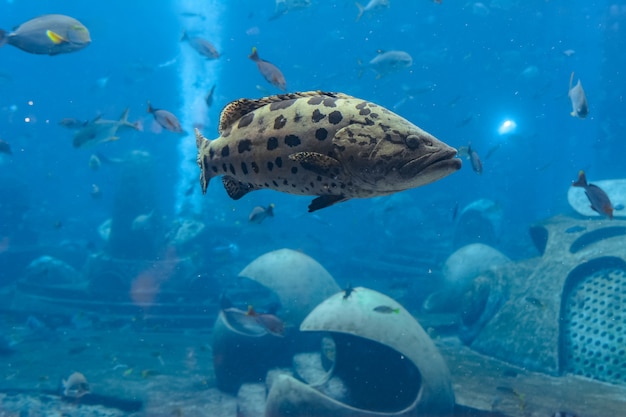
(5, 147)
(209, 97)
(347, 292)
(599, 200)
(143, 222)
(75, 386)
(200, 45)
(269, 71)
(49, 34)
(477, 164)
(165, 119)
(286, 6)
(372, 5)
(101, 130)
(254, 323)
(94, 162)
(259, 213)
(72, 123)
(577, 96)
(469, 153)
(387, 62)
(95, 192)
(387, 310)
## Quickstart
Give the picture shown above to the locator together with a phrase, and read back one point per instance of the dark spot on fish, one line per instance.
(255, 167)
(211, 153)
(368, 122)
(292, 140)
(315, 100)
(335, 117)
(270, 165)
(245, 120)
(329, 102)
(272, 143)
(232, 169)
(384, 127)
(321, 133)
(275, 183)
(279, 162)
(225, 151)
(224, 167)
(361, 105)
(374, 115)
(364, 112)
(278, 105)
(244, 168)
(297, 118)
(293, 185)
(214, 168)
(333, 185)
(319, 178)
(312, 185)
(285, 182)
(266, 185)
(294, 170)
(280, 122)
(244, 145)
(317, 116)
(342, 186)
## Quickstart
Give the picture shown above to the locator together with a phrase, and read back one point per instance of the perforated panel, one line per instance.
(595, 327)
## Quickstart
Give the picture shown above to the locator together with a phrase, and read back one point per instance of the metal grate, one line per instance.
(595, 327)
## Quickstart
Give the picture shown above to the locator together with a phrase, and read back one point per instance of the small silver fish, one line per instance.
(202, 46)
(165, 119)
(100, 130)
(142, 222)
(387, 62)
(477, 164)
(259, 213)
(372, 5)
(269, 71)
(577, 96)
(286, 6)
(76, 386)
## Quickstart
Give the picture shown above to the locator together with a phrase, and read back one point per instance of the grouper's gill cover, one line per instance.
(329, 145)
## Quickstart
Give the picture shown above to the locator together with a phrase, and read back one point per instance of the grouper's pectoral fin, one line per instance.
(318, 163)
(235, 189)
(325, 201)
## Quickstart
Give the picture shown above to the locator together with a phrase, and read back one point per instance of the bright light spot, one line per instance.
(507, 127)
(30, 102)
(27, 119)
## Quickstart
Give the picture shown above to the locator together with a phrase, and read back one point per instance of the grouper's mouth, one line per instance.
(436, 164)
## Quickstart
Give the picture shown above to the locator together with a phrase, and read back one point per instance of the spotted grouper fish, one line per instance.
(329, 145)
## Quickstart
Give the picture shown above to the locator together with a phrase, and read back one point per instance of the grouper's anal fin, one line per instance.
(324, 201)
(235, 189)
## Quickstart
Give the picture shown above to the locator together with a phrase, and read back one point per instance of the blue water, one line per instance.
(475, 65)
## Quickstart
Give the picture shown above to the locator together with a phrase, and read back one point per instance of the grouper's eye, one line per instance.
(412, 141)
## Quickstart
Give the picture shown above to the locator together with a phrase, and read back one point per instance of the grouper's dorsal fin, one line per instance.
(239, 108)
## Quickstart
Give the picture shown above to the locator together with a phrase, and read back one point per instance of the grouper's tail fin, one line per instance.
(203, 144)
